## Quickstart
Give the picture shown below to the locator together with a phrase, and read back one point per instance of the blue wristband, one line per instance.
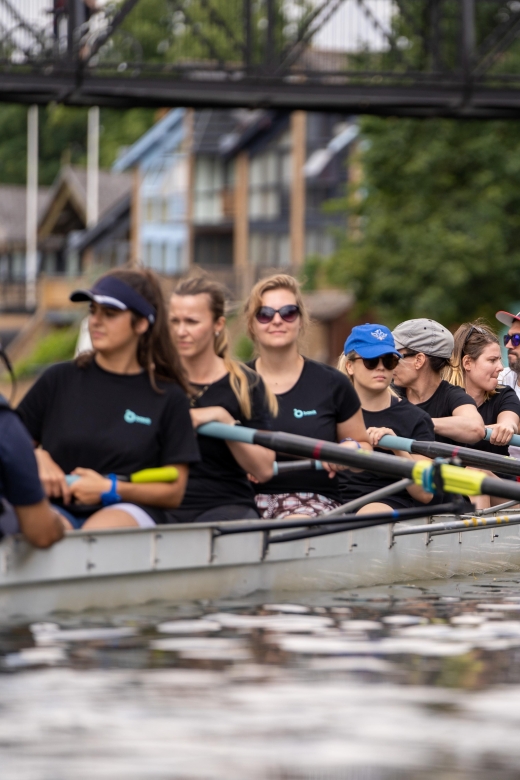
(111, 496)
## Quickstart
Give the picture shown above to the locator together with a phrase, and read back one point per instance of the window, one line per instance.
(210, 184)
(268, 250)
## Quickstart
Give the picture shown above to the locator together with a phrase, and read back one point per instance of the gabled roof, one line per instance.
(13, 201)
(69, 191)
(162, 137)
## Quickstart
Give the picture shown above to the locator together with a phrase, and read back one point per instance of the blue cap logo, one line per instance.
(379, 334)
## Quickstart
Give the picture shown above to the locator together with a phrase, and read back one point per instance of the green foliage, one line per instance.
(56, 346)
(437, 220)
(63, 138)
(244, 349)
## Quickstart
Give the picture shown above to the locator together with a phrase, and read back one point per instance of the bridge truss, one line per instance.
(458, 58)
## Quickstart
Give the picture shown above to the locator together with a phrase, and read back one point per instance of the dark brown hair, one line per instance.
(471, 339)
(156, 352)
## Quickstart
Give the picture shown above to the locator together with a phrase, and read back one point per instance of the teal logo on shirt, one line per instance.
(298, 413)
(132, 417)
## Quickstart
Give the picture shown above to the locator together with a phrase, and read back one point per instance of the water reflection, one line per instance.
(411, 681)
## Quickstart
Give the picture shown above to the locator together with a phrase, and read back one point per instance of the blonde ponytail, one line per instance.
(241, 378)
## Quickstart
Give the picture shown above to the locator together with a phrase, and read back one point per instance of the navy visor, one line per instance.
(113, 292)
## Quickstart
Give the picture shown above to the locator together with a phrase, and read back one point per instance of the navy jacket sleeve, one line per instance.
(19, 481)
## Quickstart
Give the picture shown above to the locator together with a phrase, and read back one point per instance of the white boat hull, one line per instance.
(178, 563)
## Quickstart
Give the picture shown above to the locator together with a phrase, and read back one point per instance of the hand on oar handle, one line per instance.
(52, 476)
(89, 486)
(145, 476)
(502, 433)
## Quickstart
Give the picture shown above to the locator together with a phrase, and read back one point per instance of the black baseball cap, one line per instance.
(113, 292)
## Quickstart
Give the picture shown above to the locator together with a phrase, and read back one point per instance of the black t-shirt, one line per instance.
(321, 398)
(112, 423)
(218, 480)
(404, 419)
(19, 482)
(443, 403)
(504, 400)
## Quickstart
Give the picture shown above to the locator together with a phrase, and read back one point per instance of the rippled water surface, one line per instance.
(410, 681)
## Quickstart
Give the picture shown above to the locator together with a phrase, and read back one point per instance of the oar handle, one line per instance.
(395, 443)
(515, 438)
(284, 466)
(145, 476)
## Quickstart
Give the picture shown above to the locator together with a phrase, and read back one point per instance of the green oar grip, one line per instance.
(160, 474)
(146, 476)
(454, 479)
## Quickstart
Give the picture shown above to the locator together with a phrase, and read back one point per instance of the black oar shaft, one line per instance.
(470, 457)
(293, 444)
(352, 520)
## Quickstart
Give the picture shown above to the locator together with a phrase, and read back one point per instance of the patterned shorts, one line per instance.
(281, 505)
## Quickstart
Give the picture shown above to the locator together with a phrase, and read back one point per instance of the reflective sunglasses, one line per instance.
(288, 313)
(514, 339)
(390, 361)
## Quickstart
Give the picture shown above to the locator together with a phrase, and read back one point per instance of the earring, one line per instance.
(217, 334)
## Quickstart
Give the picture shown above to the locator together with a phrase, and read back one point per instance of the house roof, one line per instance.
(163, 136)
(13, 202)
(69, 191)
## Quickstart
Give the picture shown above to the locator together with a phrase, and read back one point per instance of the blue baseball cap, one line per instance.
(113, 292)
(370, 341)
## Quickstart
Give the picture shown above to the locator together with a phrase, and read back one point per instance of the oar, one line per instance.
(451, 479)
(434, 449)
(145, 476)
(467, 455)
(347, 522)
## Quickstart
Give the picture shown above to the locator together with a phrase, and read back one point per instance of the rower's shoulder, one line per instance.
(454, 392)
(323, 369)
(402, 405)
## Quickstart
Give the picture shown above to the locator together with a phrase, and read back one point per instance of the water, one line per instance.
(416, 681)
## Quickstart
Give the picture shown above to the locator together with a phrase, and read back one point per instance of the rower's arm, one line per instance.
(504, 428)
(168, 495)
(40, 524)
(465, 425)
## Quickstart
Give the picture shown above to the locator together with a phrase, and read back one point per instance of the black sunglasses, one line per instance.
(390, 361)
(514, 339)
(288, 313)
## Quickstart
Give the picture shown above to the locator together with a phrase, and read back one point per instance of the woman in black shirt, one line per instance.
(221, 391)
(426, 347)
(114, 411)
(476, 364)
(313, 399)
(369, 360)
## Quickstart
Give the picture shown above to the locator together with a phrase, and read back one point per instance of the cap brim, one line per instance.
(506, 318)
(376, 351)
(80, 296)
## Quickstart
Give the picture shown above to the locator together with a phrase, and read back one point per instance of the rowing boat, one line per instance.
(127, 567)
(176, 563)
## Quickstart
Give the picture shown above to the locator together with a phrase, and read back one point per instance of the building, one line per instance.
(237, 192)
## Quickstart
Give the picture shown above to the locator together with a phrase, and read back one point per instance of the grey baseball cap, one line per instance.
(424, 335)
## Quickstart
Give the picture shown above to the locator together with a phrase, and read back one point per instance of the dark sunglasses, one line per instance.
(288, 313)
(514, 339)
(390, 362)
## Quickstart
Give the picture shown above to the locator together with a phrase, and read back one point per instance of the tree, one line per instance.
(437, 217)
